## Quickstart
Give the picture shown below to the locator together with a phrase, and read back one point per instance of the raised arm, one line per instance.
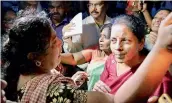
(76, 58)
(143, 8)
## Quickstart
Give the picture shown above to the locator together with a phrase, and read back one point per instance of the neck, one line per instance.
(107, 52)
(135, 61)
(56, 22)
(24, 79)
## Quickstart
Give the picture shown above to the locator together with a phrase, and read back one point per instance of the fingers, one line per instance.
(67, 28)
(167, 21)
(101, 87)
(152, 37)
(80, 76)
(54, 71)
(153, 99)
(3, 84)
(142, 6)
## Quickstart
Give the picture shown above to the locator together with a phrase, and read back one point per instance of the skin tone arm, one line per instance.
(146, 78)
(143, 9)
(76, 58)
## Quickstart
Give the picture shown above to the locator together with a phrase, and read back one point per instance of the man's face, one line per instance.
(9, 19)
(161, 15)
(57, 10)
(31, 5)
(97, 8)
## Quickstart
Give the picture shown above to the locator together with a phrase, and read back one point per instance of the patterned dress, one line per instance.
(62, 92)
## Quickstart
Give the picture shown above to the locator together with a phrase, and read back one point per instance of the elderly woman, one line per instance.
(95, 57)
(127, 42)
(33, 50)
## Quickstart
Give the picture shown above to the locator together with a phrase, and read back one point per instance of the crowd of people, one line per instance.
(122, 59)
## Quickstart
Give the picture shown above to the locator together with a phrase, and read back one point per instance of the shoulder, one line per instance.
(88, 20)
(111, 57)
(108, 20)
(110, 61)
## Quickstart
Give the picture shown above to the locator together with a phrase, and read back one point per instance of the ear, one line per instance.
(31, 56)
(141, 44)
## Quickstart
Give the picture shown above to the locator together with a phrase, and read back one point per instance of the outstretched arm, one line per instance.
(76, 58)
(143, 8)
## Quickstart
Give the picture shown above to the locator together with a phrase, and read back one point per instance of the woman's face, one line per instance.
(156, 21)
(124, 44)
(104, 40)
(52, 57)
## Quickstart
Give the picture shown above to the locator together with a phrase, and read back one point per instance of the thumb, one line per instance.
(3, 84)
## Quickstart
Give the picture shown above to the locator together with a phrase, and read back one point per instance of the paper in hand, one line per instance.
(77, 28)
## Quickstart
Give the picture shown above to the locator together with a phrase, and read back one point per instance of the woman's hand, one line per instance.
(153, 99)
(164, 39)
(79, 78)
(3, 85)
(152, 37)
(101, 87)
(54, 71)
(67, 28)
(142, 6)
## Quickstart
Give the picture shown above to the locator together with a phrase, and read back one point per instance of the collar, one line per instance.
(90, 20)
(65, 20)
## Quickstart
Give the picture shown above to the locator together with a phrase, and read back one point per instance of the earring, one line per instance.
(38, 63)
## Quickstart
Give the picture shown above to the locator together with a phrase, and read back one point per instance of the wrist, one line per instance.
(144, 11)
(162, 51)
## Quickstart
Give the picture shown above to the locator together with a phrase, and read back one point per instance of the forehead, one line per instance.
(120, 31)
(56, 3)
(95, 1)
(162, 13)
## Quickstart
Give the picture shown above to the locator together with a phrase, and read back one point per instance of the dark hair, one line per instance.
(30, 33)
(109, 26)
(163, 9)
(136, 25)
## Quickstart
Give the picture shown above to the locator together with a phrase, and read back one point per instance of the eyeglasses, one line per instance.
(98, 5)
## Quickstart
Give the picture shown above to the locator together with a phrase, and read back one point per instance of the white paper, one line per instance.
(77, 28)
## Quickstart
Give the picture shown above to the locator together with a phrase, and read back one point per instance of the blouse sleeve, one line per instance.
(165, 86)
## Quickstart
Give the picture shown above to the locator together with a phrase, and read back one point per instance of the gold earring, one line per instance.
(38, 63)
